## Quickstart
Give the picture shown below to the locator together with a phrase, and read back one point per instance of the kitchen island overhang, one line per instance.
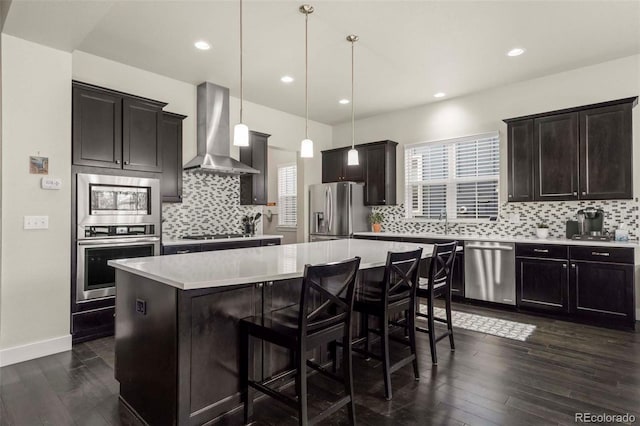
(177, 337)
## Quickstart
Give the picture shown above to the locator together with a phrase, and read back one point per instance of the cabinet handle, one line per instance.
(260, 285)
(600, 253)
(117, 161)
(564, 265)
(510, 196)
(126, 162)
(270, 283)
(384, 201)
(183, 251)
(584, 193)
(541, 250)
(573, 265)
(576, 192)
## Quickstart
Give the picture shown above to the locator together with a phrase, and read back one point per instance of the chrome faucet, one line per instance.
(443, 215)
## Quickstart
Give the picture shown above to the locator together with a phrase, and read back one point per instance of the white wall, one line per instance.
(35, 273)
(483, 112)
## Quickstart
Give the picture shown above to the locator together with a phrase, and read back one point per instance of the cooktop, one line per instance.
(213, 236)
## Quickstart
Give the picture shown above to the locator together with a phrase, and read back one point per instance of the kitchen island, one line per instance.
(177, 337)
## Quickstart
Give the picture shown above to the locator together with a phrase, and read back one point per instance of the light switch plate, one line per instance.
(51, 183)
(36, 222)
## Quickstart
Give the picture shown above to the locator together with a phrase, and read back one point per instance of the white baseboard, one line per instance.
(34, 350)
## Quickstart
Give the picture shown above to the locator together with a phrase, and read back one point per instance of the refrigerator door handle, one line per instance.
(329, 208)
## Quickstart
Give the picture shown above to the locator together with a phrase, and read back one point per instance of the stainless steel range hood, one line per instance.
(213, 134)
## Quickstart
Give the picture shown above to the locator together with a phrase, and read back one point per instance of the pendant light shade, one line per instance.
(352, 155)
(240, 130)
(306, 146)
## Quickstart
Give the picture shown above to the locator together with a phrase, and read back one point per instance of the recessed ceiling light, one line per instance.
(286, 79)
(202, 45)
(439, 95)
(344, 101)
(517, 51)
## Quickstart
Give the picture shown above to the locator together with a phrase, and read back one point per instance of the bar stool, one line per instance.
(438, 284)
(323, 316)
(386, 300)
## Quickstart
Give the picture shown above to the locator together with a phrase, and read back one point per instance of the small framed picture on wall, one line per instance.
(38, 165)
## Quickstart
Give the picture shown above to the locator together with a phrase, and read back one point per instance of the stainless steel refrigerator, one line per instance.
(337, 210)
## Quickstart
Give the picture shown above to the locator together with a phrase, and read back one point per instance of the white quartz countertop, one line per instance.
(182, 242)
(532, 239)
(258, 264)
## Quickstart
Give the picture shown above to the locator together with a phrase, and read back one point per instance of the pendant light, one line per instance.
(306, 146)
(352, 155)
(240, 130)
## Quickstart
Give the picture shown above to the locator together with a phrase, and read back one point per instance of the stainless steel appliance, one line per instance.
(490, 271)
(337, 210)
(590, 224)
(117, 218)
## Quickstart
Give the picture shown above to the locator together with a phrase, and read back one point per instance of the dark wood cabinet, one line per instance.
(606, 153)
(171, 141)
(181, 249)
(220, 245)
(520, 163)
(116, 130)
(542, 284)
(97, 127)
(253, 188)
(556, 157)
(377, 169)
(582, 153)
(457, 280)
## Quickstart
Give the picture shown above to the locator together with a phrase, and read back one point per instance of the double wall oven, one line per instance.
(117, 218)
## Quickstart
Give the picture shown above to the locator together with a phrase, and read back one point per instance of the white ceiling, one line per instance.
(408, 50)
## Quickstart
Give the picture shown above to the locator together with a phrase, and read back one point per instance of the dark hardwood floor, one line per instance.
(562, 368)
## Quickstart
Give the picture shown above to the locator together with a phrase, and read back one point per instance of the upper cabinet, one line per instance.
(377, 169)
(253, 188)
(116, 130)
(171, 142)
(582, 153)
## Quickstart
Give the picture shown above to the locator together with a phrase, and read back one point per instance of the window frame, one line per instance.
(450, 182)
(281, 206)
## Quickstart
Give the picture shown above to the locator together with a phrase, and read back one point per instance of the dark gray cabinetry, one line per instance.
(582, 153)
(116, 130)
(542, 277)
(253, 188)
(171, 141)
(377, 169)
(520, 163)
(182, 249)
(220, 245)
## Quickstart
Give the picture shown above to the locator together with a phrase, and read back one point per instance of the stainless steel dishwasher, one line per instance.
(490, 271)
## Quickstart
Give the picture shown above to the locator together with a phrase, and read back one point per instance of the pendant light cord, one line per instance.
(306, 75)
(241, 74)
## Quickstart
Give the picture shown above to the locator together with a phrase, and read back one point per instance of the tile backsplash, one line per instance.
(210, 205)
(555, 214)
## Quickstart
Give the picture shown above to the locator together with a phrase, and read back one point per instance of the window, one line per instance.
(459, 177)
(287, 195)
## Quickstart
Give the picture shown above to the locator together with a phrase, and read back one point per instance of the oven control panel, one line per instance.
(118, 231)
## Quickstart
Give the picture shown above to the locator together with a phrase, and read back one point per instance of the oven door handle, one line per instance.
(119, 241)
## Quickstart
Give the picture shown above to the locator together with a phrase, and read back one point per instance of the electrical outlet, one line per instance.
(141, 306)
(36, 222)
(51, 183)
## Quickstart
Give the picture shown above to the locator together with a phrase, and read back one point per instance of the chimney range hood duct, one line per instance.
(213, 134)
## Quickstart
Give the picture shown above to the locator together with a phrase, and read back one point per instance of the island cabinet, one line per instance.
(219, 245)
(171, 141)
(115, 130)
(253, 187)
(376, 168)
(582, 153)
(542, 277)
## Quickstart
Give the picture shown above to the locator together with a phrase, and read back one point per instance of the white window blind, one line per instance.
(458, 177)
(287, 195)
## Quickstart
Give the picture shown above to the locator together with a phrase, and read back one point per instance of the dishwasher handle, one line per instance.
(480, 247)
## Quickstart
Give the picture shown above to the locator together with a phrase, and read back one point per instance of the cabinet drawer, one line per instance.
(602, 254)
(181, 249)
(545, 251)
(230, 245)
(271, 242)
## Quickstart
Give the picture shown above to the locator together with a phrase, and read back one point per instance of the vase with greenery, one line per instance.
(542, 230)
(376, 221)
(249, 223)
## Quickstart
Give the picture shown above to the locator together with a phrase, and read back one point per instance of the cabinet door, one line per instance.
(171, 140)
(542, 284)
(457, 281)
(603, 291)
(354, 173)
(375, 193)
(229, 245)
(606, 153)
(141, 149)
(556, 157)
(181, 249)
(333, 166)
(253, 188)
(97, 128)
(520, 161)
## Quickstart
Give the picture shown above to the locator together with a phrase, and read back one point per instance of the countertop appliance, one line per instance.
(490, 271)
(337, 210)
(591, 225)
